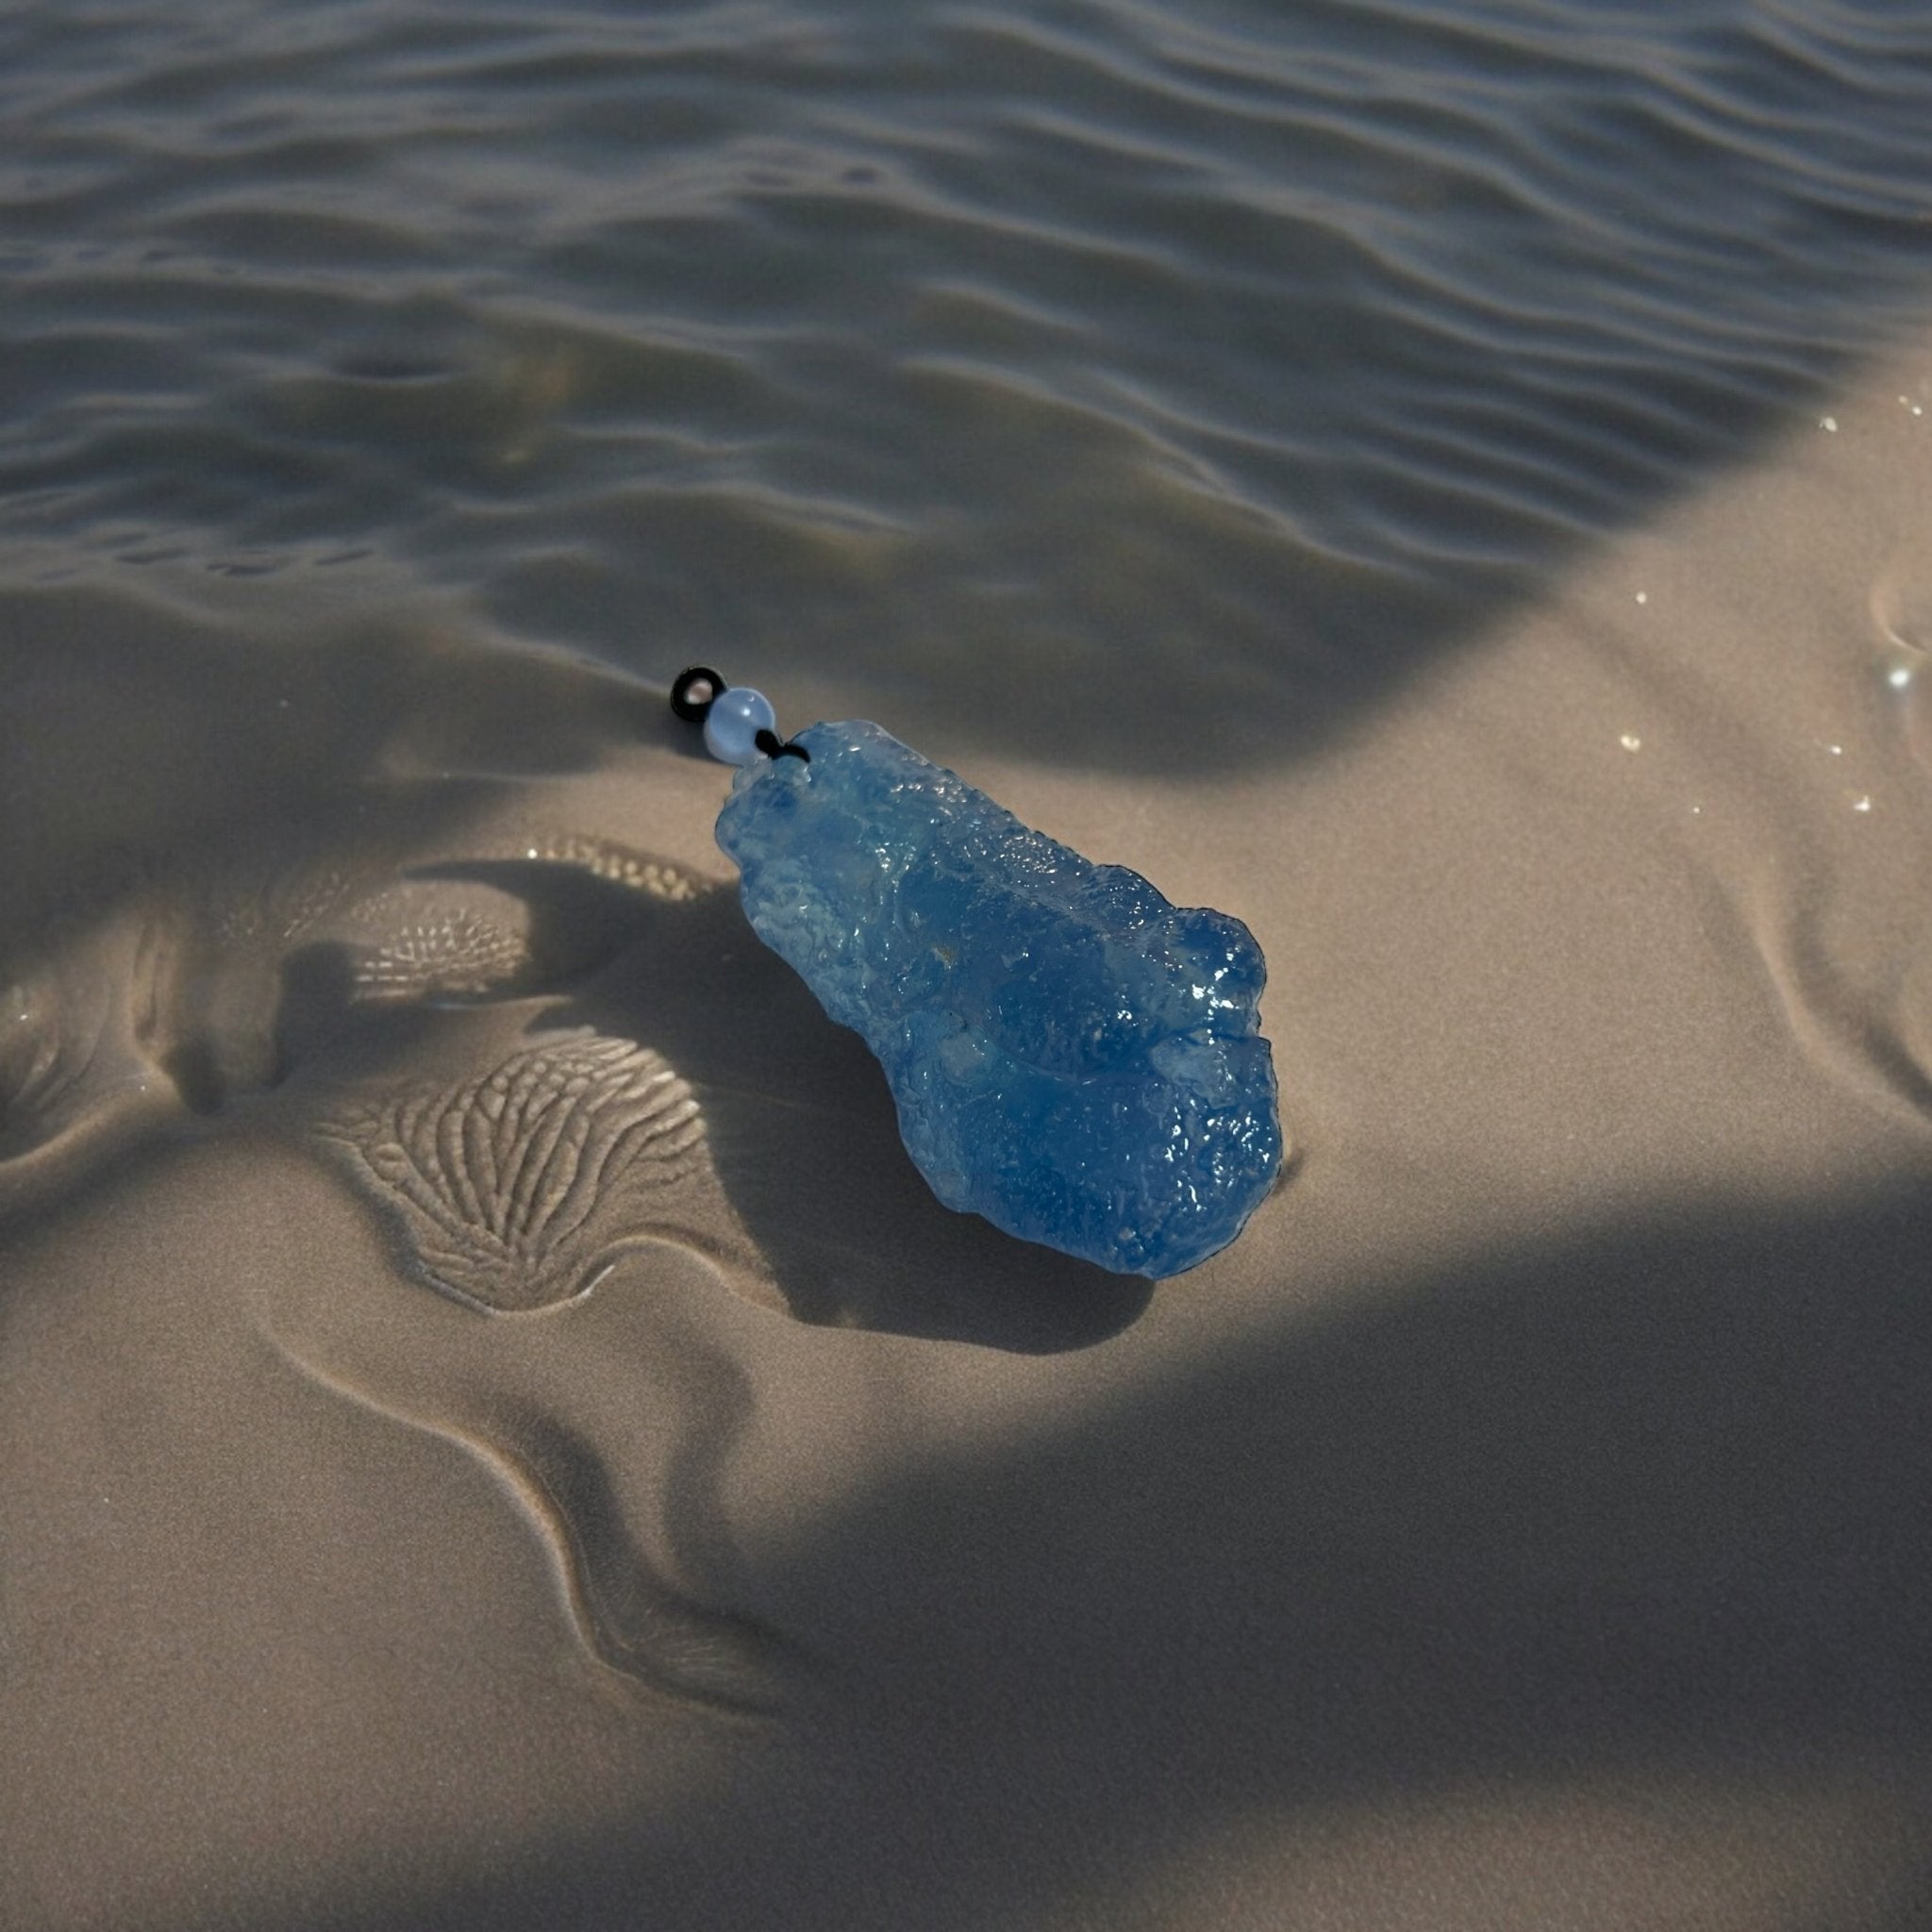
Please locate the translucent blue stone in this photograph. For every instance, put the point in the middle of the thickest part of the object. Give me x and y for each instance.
(1073, 1056)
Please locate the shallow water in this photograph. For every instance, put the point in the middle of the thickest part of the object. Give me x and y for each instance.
(486, 1408)
(960, 363)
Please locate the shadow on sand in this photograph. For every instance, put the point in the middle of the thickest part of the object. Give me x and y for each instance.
(1651, 1501)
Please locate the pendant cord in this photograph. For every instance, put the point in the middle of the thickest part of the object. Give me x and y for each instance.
(695, 709)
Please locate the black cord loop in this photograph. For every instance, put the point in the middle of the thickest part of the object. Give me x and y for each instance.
(692, 710)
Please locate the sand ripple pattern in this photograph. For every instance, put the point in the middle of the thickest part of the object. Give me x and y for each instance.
(456, 954)
(619, 865)
(512, 1188)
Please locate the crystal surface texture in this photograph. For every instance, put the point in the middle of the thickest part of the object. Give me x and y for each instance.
(1072, 1055)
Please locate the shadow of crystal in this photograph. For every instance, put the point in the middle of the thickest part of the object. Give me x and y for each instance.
(800, 1124)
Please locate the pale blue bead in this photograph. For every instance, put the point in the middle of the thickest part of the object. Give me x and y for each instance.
(733, 723)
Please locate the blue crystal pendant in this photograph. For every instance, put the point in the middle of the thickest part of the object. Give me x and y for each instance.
(1071, 1056)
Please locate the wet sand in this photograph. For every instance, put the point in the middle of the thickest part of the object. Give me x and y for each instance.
(496, 1433)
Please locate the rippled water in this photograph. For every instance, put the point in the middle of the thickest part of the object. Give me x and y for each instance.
(948, 361)
(432, 1227)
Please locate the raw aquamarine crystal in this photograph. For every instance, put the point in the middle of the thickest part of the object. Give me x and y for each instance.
(1073, 1056)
